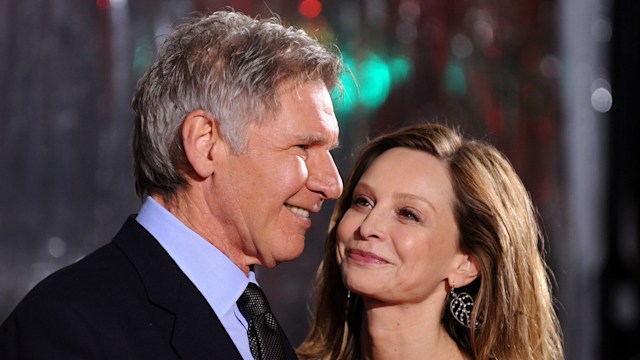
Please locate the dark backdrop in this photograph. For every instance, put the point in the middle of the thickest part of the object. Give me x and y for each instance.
(520, 74)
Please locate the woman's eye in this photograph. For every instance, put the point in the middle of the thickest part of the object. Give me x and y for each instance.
(409, 215)
(361, 201)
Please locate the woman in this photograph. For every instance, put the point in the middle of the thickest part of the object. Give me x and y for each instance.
(434, 252)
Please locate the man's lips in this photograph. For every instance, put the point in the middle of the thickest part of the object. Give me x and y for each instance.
(298, 211)
(365, 257)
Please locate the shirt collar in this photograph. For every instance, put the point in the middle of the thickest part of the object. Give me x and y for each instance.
(219, 280)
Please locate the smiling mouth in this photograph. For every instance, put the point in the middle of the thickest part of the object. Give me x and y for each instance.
(365, 257)
(298, 211)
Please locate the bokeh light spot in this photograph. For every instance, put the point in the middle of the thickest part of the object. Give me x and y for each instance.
(310, 8)
(601, 100)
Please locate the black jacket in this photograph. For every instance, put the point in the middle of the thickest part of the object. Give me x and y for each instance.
(126, 300)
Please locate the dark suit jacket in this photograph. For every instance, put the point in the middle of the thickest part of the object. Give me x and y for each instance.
(126, 300)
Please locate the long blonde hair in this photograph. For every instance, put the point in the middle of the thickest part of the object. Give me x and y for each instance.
(498, 226)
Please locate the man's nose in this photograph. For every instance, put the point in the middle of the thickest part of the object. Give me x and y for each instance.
(324, 177)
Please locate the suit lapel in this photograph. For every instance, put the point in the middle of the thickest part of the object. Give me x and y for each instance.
(197, 331)
(289, 352)
(196, 335)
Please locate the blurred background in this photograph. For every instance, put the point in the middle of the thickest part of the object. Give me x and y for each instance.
(550, 83)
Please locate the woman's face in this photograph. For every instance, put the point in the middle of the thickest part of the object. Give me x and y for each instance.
(398, 242)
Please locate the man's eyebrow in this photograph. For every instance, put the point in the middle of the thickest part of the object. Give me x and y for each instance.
(316, 139)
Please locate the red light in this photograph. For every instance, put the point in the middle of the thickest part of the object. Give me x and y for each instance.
(103, 4)
(310, 8)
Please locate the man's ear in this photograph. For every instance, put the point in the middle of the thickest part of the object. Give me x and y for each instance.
(199, 136)
(466, 271)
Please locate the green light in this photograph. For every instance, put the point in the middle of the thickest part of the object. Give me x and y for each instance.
(143, 56)
(454, 80)
(346, 100)
(400, 68)
(368, 81)
(375, 81)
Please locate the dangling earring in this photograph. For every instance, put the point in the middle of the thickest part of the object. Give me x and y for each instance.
(347, 304)
(461, 306)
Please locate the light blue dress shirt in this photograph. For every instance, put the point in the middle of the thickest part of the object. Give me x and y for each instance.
(219, 280)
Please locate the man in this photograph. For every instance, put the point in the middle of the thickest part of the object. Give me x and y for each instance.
(234, 124)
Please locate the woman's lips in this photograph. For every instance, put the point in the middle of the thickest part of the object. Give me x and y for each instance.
(366, 257)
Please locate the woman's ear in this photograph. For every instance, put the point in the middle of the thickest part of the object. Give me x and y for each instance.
(466, 271)
(199, 136)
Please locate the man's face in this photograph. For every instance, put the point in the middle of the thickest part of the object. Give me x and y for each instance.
(285, 173)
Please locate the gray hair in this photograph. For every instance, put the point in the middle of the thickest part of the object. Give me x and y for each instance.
(229, 65)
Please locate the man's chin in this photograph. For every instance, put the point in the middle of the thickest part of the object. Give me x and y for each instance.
(283, 251)
(291, 252)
